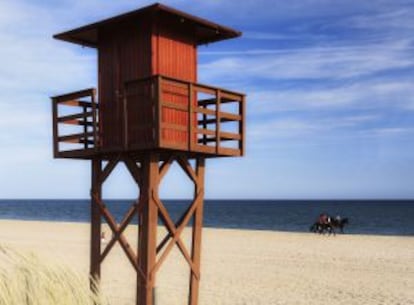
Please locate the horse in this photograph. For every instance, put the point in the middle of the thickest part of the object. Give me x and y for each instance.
(339, 224)
(321, 228)
(330, 226)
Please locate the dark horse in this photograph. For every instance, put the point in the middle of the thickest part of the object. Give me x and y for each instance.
(329, 226)
(339, 224)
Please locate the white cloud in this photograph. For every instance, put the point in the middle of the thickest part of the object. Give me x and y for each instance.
(294, 127)
(400, 19)
(312, 63)
(378, 95)
(389, 132)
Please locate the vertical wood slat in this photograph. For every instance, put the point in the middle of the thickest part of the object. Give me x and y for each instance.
(197, 231)
(125, 119)
(95, 252)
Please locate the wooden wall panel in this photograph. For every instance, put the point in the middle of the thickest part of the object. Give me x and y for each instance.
(131, 51)
(124, 55)
(108, 110)
(177, 58)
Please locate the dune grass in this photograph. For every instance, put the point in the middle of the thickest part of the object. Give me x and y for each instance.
(27, 280)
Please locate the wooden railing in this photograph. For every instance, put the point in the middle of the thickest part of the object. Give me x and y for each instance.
(75, 123)
(158, 112)
(193, 117)
(216, 122)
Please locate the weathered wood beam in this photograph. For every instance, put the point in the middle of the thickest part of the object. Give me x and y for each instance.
(197, 230)
(122, 240)
(121, 228)
(173, 231)
(178, 232)
(165, 167)
(186, 166)
(71, 117)
(77, 136)
(76, 103)
(148, 229)
(134, 170)
(109, 168)
(95, 246)
(75, 95)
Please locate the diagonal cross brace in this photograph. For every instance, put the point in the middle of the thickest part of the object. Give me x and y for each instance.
(121, 228)
(115, 229)
(165, 167)
(109, 168)
(175, 233)
(186, 166)
(134, 170)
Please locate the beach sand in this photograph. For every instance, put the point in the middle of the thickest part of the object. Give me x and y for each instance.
(244, 267)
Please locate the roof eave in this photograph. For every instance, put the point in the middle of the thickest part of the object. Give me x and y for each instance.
(70, 36)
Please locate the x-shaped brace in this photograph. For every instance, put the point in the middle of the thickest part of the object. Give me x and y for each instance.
(175, 230)
(118, 230)
(135, 208)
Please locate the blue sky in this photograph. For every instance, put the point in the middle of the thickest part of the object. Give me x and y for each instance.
(330, 88)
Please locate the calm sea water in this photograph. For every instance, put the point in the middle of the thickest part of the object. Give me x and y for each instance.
(366, 217)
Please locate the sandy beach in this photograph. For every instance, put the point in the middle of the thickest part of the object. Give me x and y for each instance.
(244, 267)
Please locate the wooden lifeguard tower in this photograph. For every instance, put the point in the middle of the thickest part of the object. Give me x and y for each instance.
(151, 112)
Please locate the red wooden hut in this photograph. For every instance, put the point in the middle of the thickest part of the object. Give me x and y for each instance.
(151, 112)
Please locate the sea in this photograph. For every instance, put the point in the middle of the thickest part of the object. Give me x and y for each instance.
(375, 217)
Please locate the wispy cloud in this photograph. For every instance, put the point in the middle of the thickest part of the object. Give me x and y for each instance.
(399, 19)
(381, 133)
(278, 36)
(293, 127)
(314, 63)
(380, 94)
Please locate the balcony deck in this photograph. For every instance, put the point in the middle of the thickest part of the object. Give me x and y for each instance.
(158, 113)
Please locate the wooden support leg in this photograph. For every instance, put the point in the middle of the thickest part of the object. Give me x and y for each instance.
(197, 228)
(96, 193)
(148, 230)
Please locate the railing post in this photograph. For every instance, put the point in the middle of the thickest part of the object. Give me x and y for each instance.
(85, 128)
(158, 107)
(242, 125)
(55, 127)
(158, 111)
(190, 116)
(96, 139)
(218, 120)
(205, 125)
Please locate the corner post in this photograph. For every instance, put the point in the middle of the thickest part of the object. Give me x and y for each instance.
(55, 127)
(197, 230)
(148, 230)
(96, 193)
